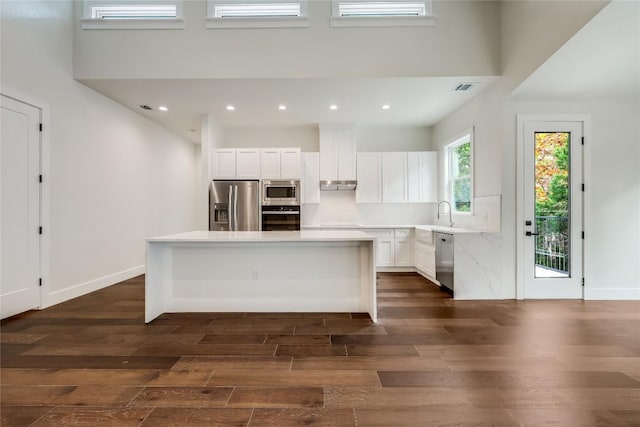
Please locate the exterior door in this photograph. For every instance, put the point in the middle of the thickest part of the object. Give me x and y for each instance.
(553, 203)
(19, 207)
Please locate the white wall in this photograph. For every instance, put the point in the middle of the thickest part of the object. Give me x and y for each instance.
(393, 138)
(530, 33)
(305, 137)
(468, 28)
(115, 177)
(612, 193)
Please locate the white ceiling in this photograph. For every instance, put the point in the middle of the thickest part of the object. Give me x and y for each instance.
(413, 101)
(601, 61)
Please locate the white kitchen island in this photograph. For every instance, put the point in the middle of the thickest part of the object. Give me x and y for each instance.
(252, 271)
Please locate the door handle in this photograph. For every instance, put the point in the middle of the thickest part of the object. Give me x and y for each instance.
(528, 233)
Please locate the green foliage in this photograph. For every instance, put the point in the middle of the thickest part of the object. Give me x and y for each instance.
(552, 174)
(462, 177)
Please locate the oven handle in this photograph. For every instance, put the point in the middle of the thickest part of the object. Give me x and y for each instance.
(280, 213)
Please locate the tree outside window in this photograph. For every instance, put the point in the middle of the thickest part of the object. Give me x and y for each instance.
(460, 174)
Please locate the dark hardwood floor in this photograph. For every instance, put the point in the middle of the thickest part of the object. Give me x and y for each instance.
(430, 361)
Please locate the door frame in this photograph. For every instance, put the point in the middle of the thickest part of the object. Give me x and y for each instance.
(521, 119)
(45, 195)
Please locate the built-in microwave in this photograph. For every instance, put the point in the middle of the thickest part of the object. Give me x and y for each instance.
(281, 192)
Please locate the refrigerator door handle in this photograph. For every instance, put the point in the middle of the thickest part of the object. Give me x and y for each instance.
(235, 210)
(230, 208)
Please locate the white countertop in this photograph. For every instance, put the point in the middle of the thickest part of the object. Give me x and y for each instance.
(431, 227)
(265, 236)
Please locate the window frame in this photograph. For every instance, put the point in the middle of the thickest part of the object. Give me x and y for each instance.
(428, 19)
(463, 138)
(90, 23)
(212, 22)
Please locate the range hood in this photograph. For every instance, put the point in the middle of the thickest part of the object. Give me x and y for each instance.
(335, 185)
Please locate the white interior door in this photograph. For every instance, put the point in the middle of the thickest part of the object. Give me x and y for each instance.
(553, 203)
(19, 207)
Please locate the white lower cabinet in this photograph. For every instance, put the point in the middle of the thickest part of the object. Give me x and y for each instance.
(394, 247)
(404, 250)
(425, 254)
(385, 247)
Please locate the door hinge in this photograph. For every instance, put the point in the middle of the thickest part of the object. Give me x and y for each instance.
(40, 281)
(582, 142)
(39, 230)
(583, 234)
(40, 127)
(583, 281)
(40, 178)
(582, 187)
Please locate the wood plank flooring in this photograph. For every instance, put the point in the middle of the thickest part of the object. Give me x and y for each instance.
(430, 361)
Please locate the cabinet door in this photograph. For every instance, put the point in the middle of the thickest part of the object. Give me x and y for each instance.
(369, 189)
(346, 155)
(394, 177)
(429, 179)
(270, 163)
(422, 173)
(414, 176)
(222, 163)
(385, 247)
(404, 252)
(248, 163)
(328, 155)
(290, 163)
(430, 261)
(420, 256)
(311, 178)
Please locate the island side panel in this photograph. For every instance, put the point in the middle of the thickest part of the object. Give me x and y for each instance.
(268, 277)
(157, 285)
(368, 279)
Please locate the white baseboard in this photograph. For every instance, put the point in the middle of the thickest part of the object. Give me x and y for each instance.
(612, 294)
(395, 270)
(92, 285)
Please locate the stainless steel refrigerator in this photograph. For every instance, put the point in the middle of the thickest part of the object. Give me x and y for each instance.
(234, 206)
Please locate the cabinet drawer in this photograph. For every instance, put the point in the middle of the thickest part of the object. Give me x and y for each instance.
(403, 232)
(424, 236)
(380, 232)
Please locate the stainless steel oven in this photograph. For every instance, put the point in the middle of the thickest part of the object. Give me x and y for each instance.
(280, 218)
(281, 193)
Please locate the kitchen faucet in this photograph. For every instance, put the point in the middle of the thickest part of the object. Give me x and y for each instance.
(438, 214)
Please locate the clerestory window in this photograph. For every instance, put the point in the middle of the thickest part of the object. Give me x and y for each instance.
(132, 14)
(256, 13)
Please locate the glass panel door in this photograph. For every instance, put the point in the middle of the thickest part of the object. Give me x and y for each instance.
(552, 209)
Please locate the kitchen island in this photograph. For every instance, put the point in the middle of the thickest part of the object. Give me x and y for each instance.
(252, 271)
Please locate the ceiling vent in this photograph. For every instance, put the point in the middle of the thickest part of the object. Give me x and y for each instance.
(464, 87)
(146, 107)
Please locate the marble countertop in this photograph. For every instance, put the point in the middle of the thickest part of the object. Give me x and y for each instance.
(428, 227)
(264, 236)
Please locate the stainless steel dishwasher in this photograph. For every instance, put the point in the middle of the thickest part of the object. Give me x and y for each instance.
(444, 261)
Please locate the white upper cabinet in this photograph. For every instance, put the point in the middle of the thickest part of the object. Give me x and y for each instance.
(222, 163)
(422, 176)
(254, 163)
(369, 189)
(394, 177)
(310, 178)
(280, 163)
(290, 163)
(337, 153)
(248, 163)
(270, 163)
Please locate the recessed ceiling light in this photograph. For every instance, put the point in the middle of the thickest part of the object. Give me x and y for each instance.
(163, 108)
(386, 106)
(230, 107)
(282, 107)
(333, 107)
